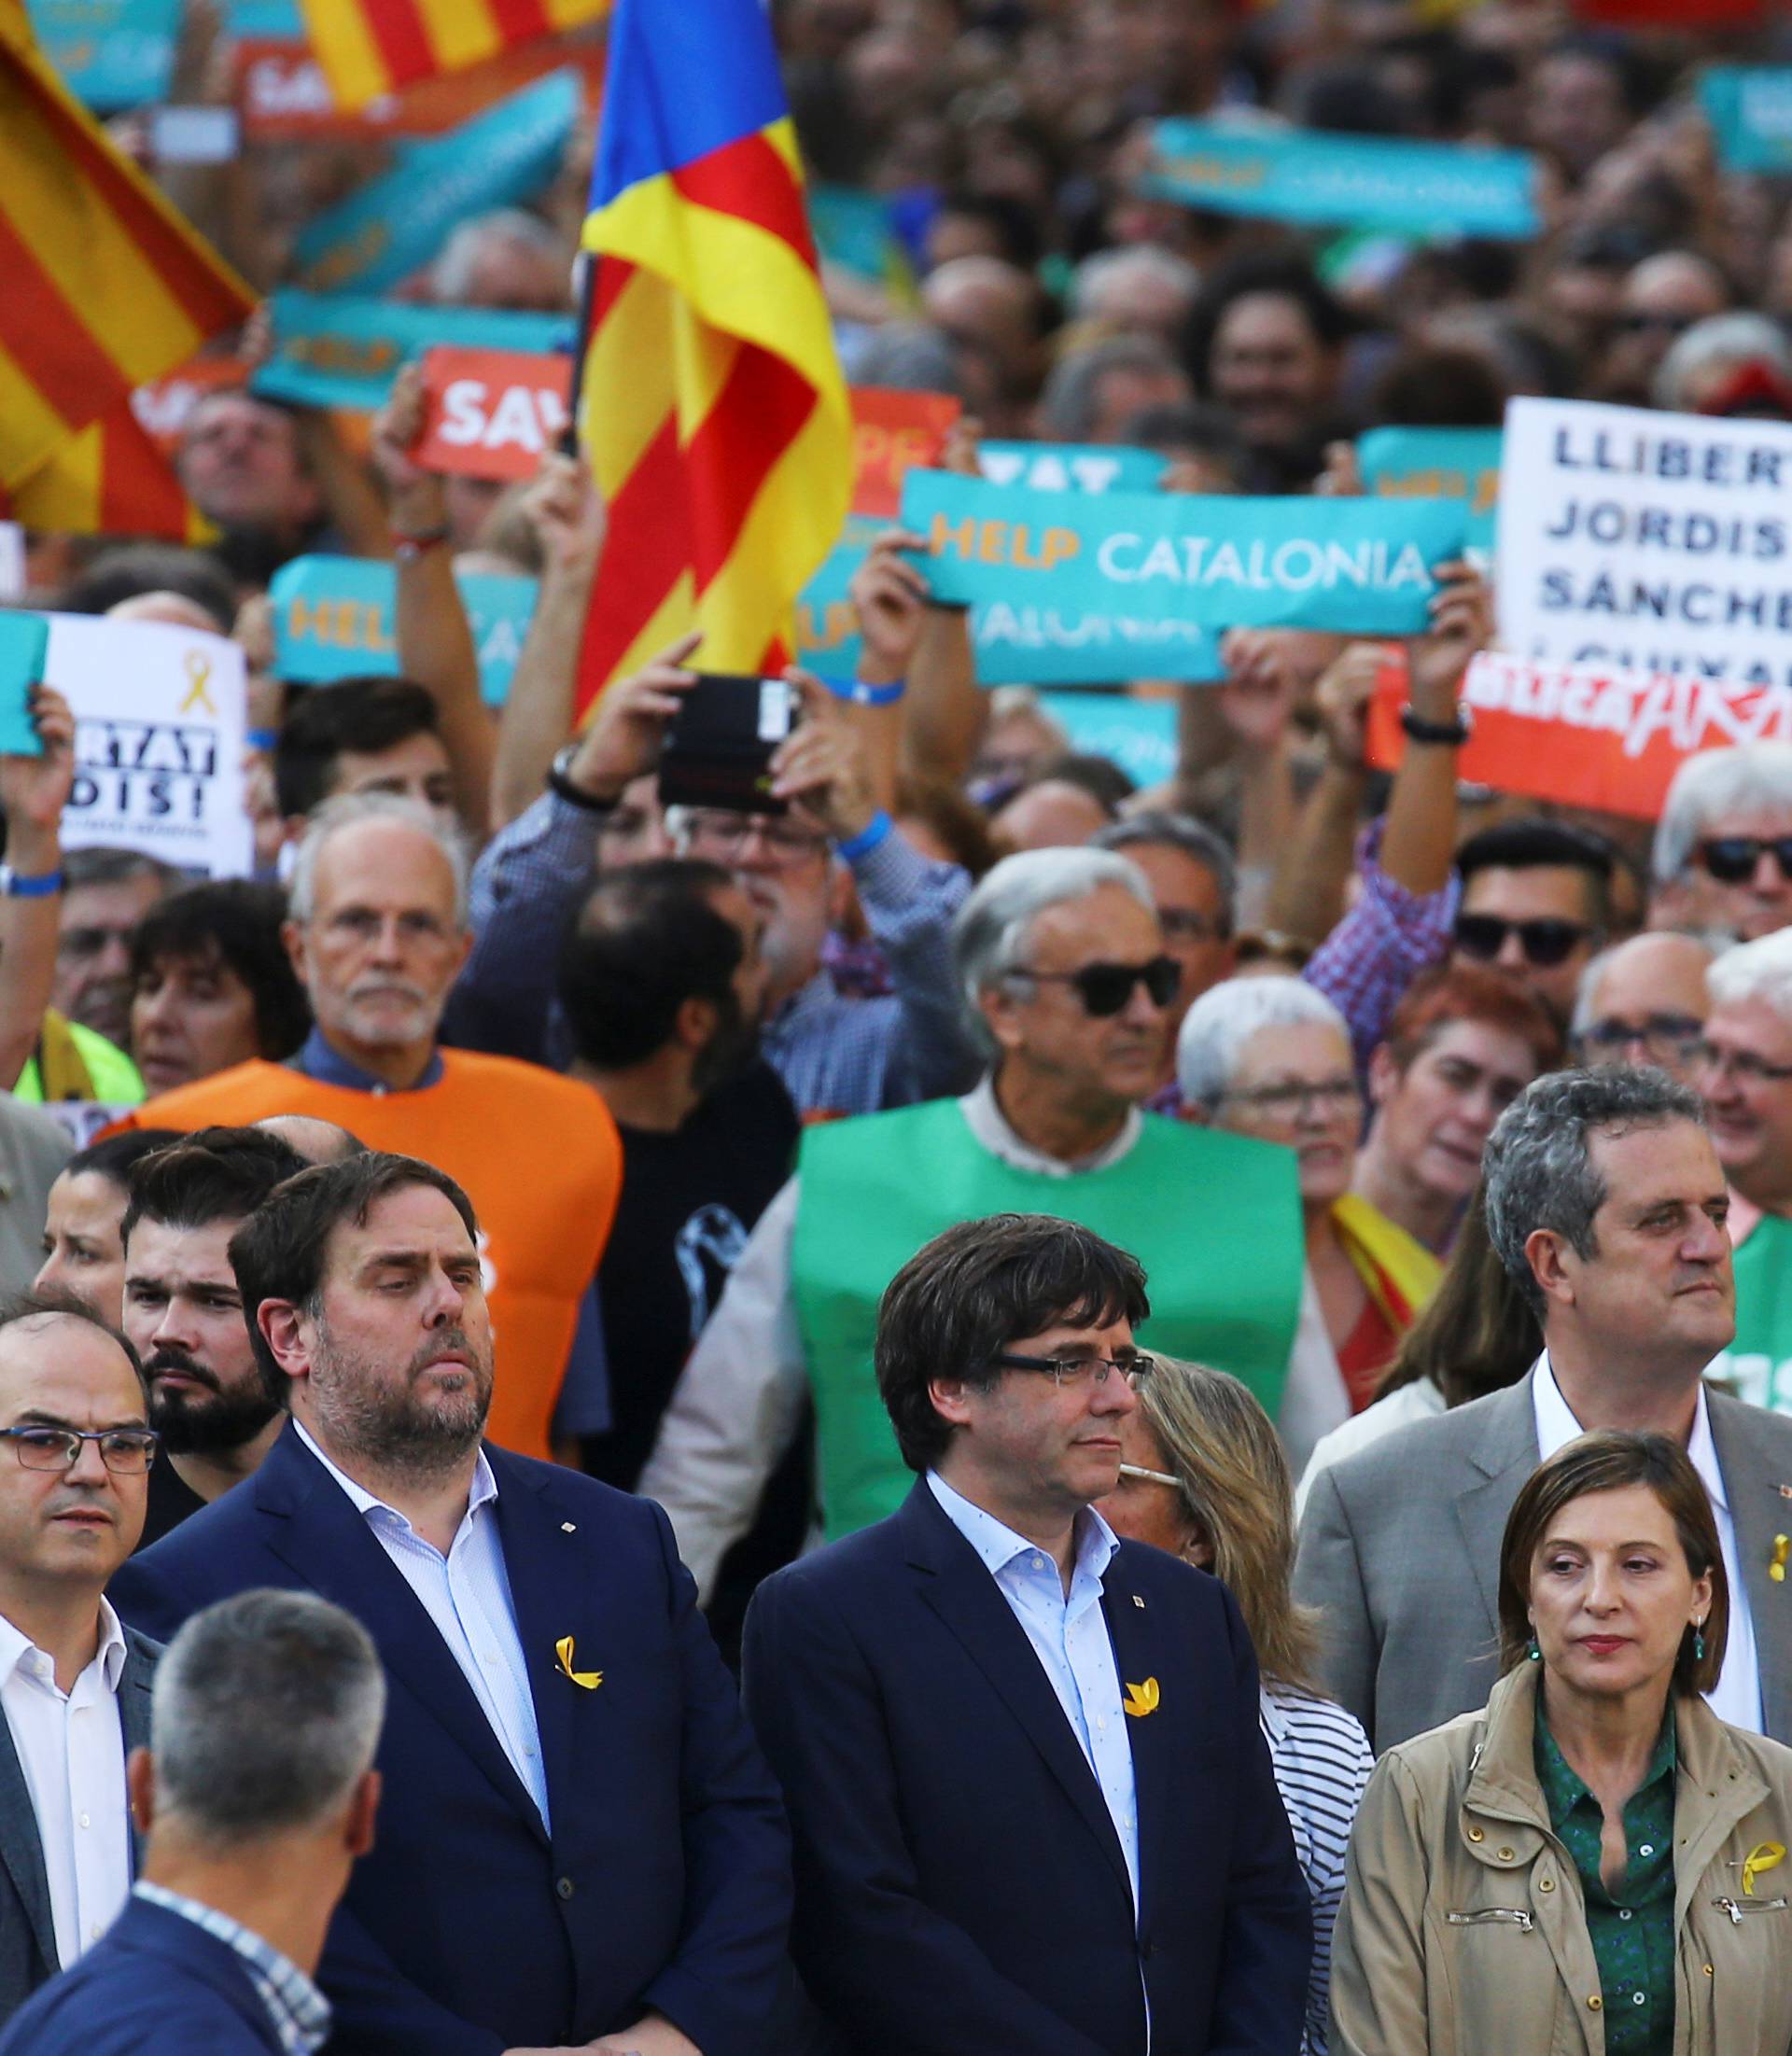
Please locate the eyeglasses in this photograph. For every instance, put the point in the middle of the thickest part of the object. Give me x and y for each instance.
(1667, 1038)
(1733, 860)
(1325, 1096)
(129, 1451)
(727, 834)
(1152, 1478)
(1743, 1064)
(1545, 942)
(1105, 988)
(1080, 1370)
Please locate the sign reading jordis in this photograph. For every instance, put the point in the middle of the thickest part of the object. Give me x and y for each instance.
(1586, 736)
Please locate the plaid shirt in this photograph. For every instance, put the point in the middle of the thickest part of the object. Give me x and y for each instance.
(299, 2012)
(1391, 935)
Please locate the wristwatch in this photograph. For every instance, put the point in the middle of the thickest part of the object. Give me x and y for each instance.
(560, 783)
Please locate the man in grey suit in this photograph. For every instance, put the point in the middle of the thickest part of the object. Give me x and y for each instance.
(74, 1452)
(1607, 1204)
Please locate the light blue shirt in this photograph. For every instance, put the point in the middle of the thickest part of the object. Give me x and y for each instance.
(467, 1594)
(1069, 1637)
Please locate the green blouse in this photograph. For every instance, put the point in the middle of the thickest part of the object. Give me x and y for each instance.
(1632, 1928)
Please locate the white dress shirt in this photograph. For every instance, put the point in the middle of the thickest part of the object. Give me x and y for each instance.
(70, 1747)
(1738, 1695)
(467, 1593)
(1069, 1633)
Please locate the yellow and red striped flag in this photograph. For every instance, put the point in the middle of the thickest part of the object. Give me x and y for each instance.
(110, 479)
(368, 47)
(713, 406)
(102, 286)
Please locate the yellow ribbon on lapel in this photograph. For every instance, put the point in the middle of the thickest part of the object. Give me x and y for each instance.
(1763, 1856)
(1141, 1698)
(591, 1680)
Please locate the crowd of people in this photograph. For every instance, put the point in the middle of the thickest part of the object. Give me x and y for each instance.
(984, 1407)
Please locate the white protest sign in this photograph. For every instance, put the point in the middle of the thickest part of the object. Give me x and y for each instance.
(160, 714)
(1657, 543)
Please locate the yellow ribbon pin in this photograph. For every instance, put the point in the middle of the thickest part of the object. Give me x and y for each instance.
(1763, 1856)
(1776, 1563)
(198, 673)
(591, 1680)
(1141, 1698)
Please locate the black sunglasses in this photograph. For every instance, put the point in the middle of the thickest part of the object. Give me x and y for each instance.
(1544, 941)
(1105, 988)
(1731, 860)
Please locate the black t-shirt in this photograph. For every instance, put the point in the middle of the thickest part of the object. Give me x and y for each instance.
(170, 1499)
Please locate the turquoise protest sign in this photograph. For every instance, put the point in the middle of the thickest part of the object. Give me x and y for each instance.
(1749, 107)
(1071, 467)
(855, 230)
(333, 619)
(827, 623)
(330, 352)
(111, 53)
(23, 641)
(1140, 735)
(394, 227)
(1082, 588)
(1321, 180)
(1437, 464)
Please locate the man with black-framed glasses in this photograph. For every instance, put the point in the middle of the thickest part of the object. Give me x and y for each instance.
(75, 1447)
(1026, 1724)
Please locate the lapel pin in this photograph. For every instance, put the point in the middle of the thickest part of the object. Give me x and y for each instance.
(590, 1680)
(1784, 1491)
(1139, 1602)
(1141, 1698)
(1763, 1856)
(1776, 1562)
(568, 1527)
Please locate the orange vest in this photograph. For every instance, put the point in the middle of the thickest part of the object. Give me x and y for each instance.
(538, 1157)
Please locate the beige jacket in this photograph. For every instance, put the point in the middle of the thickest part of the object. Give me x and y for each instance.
(1464, 1931)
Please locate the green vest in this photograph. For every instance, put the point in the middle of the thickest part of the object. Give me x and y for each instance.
(110, 1073)
(1758, 1365)
(1214, 1218)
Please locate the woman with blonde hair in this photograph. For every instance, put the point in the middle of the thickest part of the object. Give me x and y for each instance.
(1203, 1477)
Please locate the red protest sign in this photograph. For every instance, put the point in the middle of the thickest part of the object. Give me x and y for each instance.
(1586, 736)
(892, 434)
(491, 413)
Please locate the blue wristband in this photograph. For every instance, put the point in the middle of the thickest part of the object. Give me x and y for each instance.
(18, 884)
(263, 738)
(861, 694)
(862, 844)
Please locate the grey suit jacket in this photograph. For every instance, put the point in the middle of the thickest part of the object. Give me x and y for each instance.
(1400, 1552)
(27, 1931)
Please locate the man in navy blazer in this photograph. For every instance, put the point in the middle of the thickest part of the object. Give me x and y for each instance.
(1032, 1806)
(579, 1842)
(257, 1794)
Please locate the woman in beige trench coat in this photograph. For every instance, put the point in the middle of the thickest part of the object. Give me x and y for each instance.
(1594, 1865)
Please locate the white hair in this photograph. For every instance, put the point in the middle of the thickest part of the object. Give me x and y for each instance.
(1107, 268)
(1754, 779)
(452, 274)
(1217, 1028)
(348, 810)
(1720, 339)
(994, 927)
(1759, 970)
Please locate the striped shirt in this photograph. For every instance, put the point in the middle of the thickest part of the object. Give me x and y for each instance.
(299, 2011)
(1321, 1760)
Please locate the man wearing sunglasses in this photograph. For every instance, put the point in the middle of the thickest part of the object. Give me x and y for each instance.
(1535, 904)
(1723, 848)
(1069, 990)
(75, 1447)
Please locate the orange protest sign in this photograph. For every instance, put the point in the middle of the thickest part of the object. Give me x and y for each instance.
(162, 407)
(893, 433)
(492, 414)
(282, 94)
(1586, 736)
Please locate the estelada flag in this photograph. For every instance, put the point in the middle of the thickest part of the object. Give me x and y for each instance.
(112, 479)
(102, 286)
(713, 408)
(368, 47)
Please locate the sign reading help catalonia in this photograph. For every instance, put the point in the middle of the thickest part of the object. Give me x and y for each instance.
(1139, 583)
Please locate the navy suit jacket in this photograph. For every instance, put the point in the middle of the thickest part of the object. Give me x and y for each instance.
(959, 1885)
(469, 1929)
(154, 1983)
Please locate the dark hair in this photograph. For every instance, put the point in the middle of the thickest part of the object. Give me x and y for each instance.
(1099, 777)
(1606, 1462)
(1285, 273)
(279, 1252)
(234, 922)
(137, 568)
(217, 1174)
(1533, 844)
(1433, 386)
(646, 940)
(113, 1155)
(1477, 1333)
(33, 1305)
(363, 715)
(1189, 425)
(977, 1289)
(957, 824)
(1011, 220)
